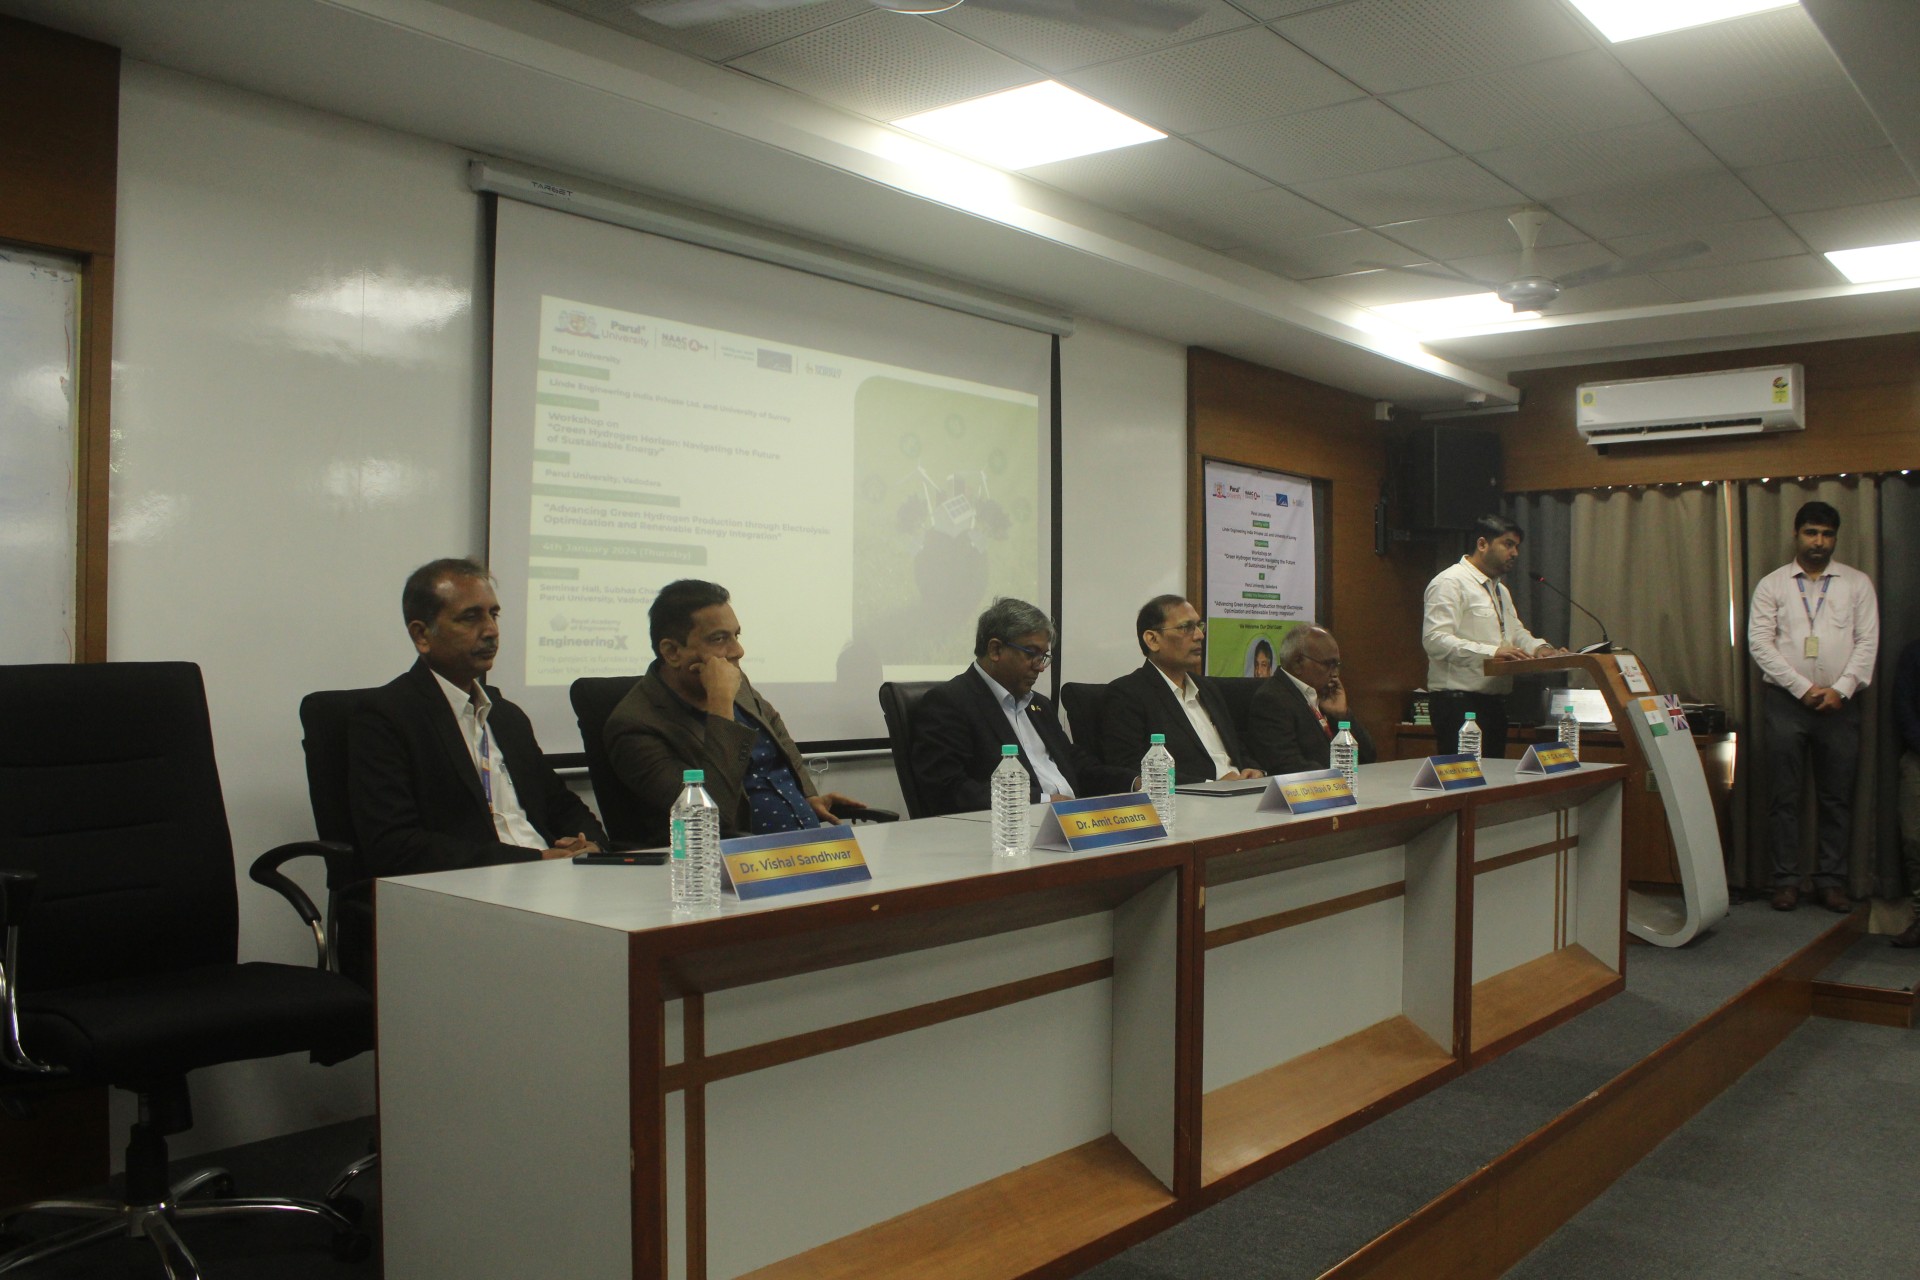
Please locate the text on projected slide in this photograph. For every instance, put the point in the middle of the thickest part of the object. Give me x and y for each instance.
(882, 505)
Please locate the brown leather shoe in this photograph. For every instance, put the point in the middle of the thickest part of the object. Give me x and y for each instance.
(1834, 898)
(1786, 898)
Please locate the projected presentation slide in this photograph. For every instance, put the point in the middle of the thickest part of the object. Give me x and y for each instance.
(860, 509)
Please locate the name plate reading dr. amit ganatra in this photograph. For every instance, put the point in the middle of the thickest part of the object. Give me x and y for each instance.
(1099, 822)
(1449, 773)
(1307, 792)
(791, 862)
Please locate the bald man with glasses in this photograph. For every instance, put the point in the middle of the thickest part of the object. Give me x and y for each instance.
(960, 726)
(1169, 696)
(1297, 712)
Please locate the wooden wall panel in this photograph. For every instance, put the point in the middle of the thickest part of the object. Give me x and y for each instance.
(1251, 414)
(1863, 414)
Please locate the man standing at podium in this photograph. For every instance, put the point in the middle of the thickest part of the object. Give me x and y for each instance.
(1470, 618)
(1814, 631)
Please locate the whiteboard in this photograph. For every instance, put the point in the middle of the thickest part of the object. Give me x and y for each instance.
(39, 351)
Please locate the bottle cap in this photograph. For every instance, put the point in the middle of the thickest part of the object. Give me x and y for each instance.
(1569, 708)
(1469, 715)
(1009, 749)
(1156, 739)
(694, 775)
(1346, 724)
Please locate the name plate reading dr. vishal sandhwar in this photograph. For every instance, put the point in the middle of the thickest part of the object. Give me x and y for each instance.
(1449, 773)
(1099, 822)
(1307, 792)
(791, 861)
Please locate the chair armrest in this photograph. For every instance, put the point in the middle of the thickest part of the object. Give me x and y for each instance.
(266, 871)
(860, 813)
(16, 892)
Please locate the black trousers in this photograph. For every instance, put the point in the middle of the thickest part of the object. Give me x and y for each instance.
(1449, 709)
(1833, 740)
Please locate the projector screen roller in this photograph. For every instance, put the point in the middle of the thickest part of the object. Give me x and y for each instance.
(864, 473)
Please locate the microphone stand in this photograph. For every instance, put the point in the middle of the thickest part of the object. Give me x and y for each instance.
(1606, 642)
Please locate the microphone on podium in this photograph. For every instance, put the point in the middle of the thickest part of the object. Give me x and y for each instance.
(1606, 642)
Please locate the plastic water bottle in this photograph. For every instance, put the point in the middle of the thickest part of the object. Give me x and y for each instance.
(1010, 788)
(1470, 737)
(1156, 775)
(1570, 732)
(695, 825)
(1346, 756)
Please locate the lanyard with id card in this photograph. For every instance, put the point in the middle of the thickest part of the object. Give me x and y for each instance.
(1811, 648)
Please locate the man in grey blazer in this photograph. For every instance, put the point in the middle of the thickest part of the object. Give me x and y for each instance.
(695, 709)
(1297, 712)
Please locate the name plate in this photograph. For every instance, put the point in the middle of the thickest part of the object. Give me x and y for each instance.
(1099, 822)
(1308, 792)
(791, 862)
(1449, 773)
(1548, 760)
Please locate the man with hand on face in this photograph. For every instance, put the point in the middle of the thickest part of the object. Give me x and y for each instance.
(695, 709)
(1814, 631)
(443, 772)
(960, 726)
(1470, 618)
(1297, 713)
(1169, 696)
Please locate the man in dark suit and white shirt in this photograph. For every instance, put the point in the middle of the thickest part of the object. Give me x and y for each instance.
(960, 726)
(443, 772)
(1169, 696)
(1296, 714)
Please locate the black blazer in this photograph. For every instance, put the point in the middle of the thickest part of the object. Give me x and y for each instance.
(1286, 735)
(958, 730)
(1139, 704)
(415, 796)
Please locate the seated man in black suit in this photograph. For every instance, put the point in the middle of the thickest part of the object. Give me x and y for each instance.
(1169, 696)
(961, 725)
(1296, 714)
(443, 772)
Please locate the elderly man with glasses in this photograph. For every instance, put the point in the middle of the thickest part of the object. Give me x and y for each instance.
(960, 726)
(1297, 712)
(1169, 696)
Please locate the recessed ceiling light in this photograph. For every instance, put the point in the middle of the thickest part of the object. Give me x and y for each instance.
(1878, 262)
(1620, 20)
(1032, 125)
(1444, 315)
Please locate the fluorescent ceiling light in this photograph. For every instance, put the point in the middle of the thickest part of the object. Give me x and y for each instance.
(1620, 20)
(1878, 262)
(1032, 125)
(1445, 315)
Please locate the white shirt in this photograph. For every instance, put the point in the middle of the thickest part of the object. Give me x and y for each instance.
(1468, 617)
(1045, 771)
(509, 819)
(1839, 608)
(1189, 700)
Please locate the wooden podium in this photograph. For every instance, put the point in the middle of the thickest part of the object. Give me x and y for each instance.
(1663, 758)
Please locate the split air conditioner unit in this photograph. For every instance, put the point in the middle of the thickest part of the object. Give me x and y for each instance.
(1695, 406)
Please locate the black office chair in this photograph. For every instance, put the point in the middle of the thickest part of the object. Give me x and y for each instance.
(121, 961)
(1086, 706)
(898, 699)
(324, 719)
(594, 698)
(1238, 692)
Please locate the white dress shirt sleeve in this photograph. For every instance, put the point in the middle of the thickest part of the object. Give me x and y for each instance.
(1866, 638)
(1765, 629)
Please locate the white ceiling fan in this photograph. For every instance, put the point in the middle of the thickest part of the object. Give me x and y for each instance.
(1529, 290)
(1127, 17)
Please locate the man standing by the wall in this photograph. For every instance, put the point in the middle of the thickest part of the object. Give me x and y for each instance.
(1814, 630)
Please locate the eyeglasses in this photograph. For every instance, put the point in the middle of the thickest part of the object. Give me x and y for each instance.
(1331, 664)
(1186, 628)
(1038, 657)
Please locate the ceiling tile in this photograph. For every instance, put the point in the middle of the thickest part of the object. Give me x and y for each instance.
(1337, 254)
(1833, 181)
(1612, 295)
(729, 37)
(1677, 205)
(1729, 243)
(1130, 178)
(1463, 235)
(1893, 222)
(1354, 137)
(1266, 9)
(1380, 288)
(1389, 45)
(1803, 271)
(1595, 161)
(1730, 63)
(1793, 127)
(1552, 263)
(1260, 219)
(1223, 80)
(1520, 106)
(885, 68)
(1417, 190)
(1062, 45)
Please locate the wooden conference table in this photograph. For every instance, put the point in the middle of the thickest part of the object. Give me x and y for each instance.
(966, 1067)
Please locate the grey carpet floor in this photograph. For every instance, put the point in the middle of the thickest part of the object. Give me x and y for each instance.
(1870, 962)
